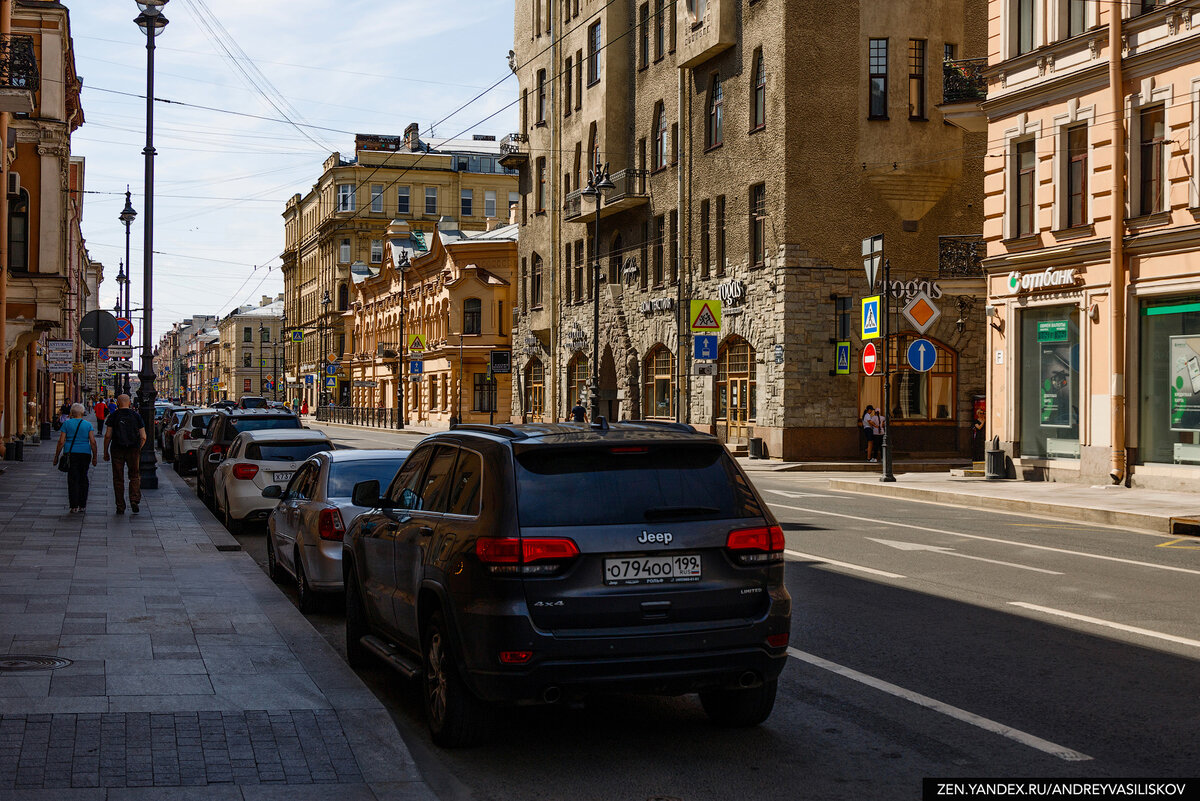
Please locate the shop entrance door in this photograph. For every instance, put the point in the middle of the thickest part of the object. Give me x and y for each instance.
(739, 406)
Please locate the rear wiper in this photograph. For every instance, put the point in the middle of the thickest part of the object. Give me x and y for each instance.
(663, 512)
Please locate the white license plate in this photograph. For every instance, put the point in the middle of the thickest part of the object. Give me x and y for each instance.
(281, 477)
(652, 569)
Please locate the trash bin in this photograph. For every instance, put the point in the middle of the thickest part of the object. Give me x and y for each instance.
(756, 448)
(995, 466)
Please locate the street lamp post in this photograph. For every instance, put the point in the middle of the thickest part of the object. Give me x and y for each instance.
(401, 412)
(261, 330)
(126, 217)
(598, 181)
(321, 393)
(152, 22)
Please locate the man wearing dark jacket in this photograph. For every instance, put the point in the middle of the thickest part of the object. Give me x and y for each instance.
(124, 436)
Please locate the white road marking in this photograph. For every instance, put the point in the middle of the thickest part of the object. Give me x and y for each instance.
(986, 724)
(787, 494)
(847, 565)
(1095, 621)
(992, 539)
(916, 546)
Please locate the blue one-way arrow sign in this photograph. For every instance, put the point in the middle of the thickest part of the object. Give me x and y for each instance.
(922, 355)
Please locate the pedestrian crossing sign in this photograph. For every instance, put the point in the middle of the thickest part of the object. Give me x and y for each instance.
(870, 317)
(416, 343)
(705, 316)
(843, 358)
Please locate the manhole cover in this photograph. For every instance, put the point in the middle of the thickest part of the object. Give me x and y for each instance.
(14, 662)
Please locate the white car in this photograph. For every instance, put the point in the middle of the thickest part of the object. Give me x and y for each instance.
(188, 436)
(257, 460)
(304, 532)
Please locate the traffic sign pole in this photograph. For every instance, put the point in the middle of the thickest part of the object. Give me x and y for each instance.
(887, 475)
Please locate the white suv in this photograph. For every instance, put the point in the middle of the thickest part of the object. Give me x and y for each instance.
(257, 460)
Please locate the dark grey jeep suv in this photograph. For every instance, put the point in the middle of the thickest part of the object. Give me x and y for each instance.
(518, 564)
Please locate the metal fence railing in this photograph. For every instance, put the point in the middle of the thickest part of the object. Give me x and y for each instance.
(367, 416)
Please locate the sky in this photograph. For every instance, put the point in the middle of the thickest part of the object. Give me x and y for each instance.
(222, 179)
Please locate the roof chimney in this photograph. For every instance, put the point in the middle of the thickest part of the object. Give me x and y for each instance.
(512, 213)
(266, 300)
(447, 224)
(492, 224)
(398, 229)
(411, 138)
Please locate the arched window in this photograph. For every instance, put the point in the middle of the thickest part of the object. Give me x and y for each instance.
(18, 233)
(737, 395)
(716, 112)
(578, 379)
(758, 89)
(535, 391)
(916, 396)
(658, 398)
(343, 295)
(662, 142)
(472, 316)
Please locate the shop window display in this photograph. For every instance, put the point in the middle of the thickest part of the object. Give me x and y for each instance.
(1050, 382)
(1169, 389)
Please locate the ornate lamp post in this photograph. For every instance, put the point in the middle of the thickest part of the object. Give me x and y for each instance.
(401, 412)
(126, 217)
(325, 301)
(598, 181)
(152, 22)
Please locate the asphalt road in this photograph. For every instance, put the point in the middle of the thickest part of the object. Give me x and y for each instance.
(927, 641)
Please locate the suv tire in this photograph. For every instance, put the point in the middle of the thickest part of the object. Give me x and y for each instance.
(740, 708)
(357, 655)
(456, 717)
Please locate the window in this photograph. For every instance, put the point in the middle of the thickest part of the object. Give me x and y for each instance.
(661, 141)
(247, 334)
(472, 316)
(485, 394)
(915, 396)
(758, 221)
(674, 143)
(715, 113)
(431, 200)
(1152, 127)
(660, 233)
(916, 79)
(1077, 176)
(524, 300)
(1076, 17)
(644, 262)
(1026, 161)
(344, 252)
(1150, 5)
(541, 96)
(343, 301)
(489, 203)
(247, 359)
(578, 282)
(593, 61)
(659, 390)
(660, 29)
(673, 234)
(376, 198)
(877, 80)
(402, 198)
(1024, 26)
(541, 184)
(844, 308)
(525, 110)
(264, 334)
(671, 15)
(705, 242)
(467, 201)
(644, 35)
(376, 251)
(345, 201)
(1169, 410)
(535, 391)
(578, 80)
(535, 282)
(948, 51)
(578, 379)
(720, 226)
(514, 199)
(18, 233)
(758, 106)
(568, 75)
(1048, 389)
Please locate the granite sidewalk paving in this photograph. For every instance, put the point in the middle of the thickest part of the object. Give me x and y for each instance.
(139, 662)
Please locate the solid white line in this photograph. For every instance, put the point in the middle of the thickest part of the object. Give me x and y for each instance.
(878, 521)
(847, 565)
(998, 562)
(1095, 621)
(946, 709)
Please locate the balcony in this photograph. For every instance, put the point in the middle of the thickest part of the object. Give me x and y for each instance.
(514, 151)
(18, 74)
(964, 88)
(960, 257)
(573, 206)
(630, 190)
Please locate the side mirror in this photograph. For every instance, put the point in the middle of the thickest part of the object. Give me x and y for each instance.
(273, 491)
(214, 458)
(366, 493)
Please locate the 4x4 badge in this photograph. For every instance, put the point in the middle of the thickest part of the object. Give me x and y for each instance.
(664, 537)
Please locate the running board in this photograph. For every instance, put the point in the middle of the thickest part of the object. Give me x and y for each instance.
(391, 654)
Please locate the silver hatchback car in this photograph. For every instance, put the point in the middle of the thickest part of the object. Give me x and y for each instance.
(305, 530)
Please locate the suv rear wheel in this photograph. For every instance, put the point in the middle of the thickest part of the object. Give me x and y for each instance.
(456, 717)
(740, 708)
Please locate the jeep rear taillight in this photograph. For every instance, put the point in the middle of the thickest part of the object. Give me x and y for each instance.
(756, 546)
(329, 525)
(528, 556)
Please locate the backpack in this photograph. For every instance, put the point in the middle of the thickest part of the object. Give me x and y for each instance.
(125, 425)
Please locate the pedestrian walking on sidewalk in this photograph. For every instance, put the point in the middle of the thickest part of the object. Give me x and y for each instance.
(100, 408)
(123, 443)
(77, 441)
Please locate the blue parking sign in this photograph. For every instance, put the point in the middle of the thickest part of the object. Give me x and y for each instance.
(706, 347)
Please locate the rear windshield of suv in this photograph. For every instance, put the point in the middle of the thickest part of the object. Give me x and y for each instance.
(284, 451)
(254, 403)
(615, 484)
(239, 424)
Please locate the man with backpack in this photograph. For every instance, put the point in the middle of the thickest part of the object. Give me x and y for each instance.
(124, 436)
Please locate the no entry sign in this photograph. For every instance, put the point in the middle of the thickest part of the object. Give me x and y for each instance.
(869, 360)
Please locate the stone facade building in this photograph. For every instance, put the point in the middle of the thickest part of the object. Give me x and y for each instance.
(749, 159)
(340, 227)
(250, 362)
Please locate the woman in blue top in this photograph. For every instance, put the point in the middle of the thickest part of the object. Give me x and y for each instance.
(78, 438)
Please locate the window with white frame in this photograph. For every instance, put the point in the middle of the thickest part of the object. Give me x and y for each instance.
(1152, 133)
(431, 200)
(1025, 187)
(1076, 17)
(1076, 194)
(377, 198)
(402, 200)
(1023, 26)
(376, 251)
(344, 251)
(467, 203)
(489, 203)
(345, 200)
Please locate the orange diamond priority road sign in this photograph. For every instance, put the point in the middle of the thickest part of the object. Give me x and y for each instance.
(921, 312)
(705, 316)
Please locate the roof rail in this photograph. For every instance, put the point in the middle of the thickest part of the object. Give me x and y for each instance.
(483, 428)
(671, 424)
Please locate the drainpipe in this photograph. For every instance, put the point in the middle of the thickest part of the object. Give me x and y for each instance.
(5, 30)
(681, 313)
(1116, 248)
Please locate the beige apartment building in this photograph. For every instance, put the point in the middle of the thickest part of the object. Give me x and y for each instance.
(1092, 240)
(752, 146)
(252, 351)
(339, 228)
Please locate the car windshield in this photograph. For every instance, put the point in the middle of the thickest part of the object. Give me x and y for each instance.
(240, 424)
(285, 451)
(344, 475)
(630, 484)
